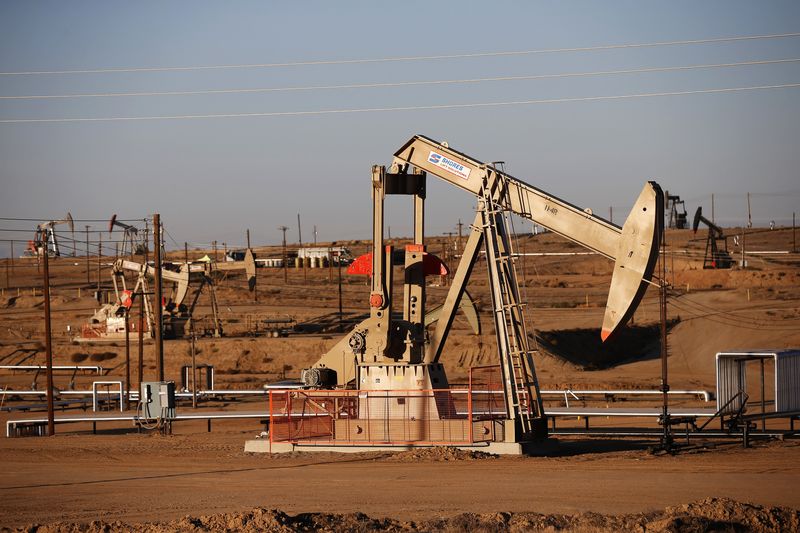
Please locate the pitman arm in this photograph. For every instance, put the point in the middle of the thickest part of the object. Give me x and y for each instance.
(634, 247)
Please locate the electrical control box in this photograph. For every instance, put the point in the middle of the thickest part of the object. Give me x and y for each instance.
(157, 399)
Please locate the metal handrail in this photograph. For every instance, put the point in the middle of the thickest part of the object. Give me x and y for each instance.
(741, 394)
(567, 394)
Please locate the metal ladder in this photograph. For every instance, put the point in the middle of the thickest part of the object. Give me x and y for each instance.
(523, 402)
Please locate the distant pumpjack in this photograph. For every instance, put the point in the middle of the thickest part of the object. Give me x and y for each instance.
(717, 255)
(677, 211)
(45, 240)
(131, 243)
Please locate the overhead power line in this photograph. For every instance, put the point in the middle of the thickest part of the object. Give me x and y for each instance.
(374, 85)
(74, 219)
(404, 58)
(405, 108)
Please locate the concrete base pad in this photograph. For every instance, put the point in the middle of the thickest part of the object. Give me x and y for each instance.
(500, 448)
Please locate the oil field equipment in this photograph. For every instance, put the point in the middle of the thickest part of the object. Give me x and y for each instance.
(677, 211)
(388, 353)
(108, 322)
(716, 255)
(131, 242)
(334, 254)
(156, 404)
(45, 238)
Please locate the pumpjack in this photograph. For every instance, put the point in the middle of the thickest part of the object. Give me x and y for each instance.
(677, 211)
(108, 322)
(389, 352)
(131, 243)
(717, 255)
(45, 239)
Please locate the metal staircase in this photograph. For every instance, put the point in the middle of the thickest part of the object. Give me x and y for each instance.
(523, 402)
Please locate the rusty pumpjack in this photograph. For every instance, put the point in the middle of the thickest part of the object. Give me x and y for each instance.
(387, 353)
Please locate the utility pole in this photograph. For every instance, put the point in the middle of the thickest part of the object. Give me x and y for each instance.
(460, 228)
(127, 356)
(749, 216)
(158, 305)
(194, 370)
(341, 316)
(141, 313)
(99, 256)
(712, 208)
(666, 439)
(147, 238)
(794, 248)
(285, 259)
(744, 247)
(51, 424)
(446, 245)
(141, 334)
(255, 286)
(88, 280)
(299, 233)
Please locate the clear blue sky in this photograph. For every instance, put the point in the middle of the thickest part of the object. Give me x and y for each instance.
(212, 178)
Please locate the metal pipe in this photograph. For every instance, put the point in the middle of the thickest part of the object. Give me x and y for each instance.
(707, 395)
(97, 369)
(94, 393)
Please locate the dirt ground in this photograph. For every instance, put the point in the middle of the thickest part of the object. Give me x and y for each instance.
(150, 478)
(123, 480)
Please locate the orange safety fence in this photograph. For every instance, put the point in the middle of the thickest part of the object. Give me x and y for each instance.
(458, 416)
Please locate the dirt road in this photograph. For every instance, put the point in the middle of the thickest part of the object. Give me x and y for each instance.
(136, 478)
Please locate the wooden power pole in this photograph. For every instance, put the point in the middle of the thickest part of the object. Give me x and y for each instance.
(158, 296)
(48, 345)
